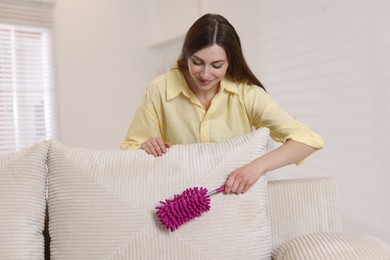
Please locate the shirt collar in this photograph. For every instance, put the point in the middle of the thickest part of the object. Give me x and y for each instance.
(177, 84)
(229, 85)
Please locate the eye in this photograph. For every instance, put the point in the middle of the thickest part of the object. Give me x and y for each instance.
(217, 65)
(196, 62)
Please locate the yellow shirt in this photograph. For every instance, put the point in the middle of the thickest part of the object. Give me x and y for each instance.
(170, 110)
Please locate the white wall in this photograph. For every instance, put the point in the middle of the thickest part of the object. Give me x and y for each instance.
(104, 65)
(325, 61)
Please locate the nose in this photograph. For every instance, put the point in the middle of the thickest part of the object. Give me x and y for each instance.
(205, 73)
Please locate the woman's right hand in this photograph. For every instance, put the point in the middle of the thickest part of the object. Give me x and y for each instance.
(155, 146)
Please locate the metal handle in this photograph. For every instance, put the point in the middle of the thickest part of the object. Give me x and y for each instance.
(220, 189)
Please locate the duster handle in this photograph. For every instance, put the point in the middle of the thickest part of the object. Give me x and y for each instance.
(218, 190)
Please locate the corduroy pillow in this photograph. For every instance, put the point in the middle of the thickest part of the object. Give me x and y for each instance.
(22, 202)
(333, 245)
(102, 202)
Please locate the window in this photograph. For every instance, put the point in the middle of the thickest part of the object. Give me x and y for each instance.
(27, 92)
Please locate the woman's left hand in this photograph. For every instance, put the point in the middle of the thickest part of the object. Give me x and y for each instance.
(241, 179)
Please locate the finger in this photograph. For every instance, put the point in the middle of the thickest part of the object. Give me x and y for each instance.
(246, 188)
(156, 147)
(240, 188)
(150, 148)
(161, 145)
(145, 148)
(231, 184)
(228, 185)
(235, 185)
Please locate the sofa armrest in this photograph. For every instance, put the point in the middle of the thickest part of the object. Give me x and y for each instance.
(334, 245)
(302, 206)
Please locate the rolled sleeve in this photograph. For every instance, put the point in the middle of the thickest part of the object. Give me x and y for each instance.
(266, 112)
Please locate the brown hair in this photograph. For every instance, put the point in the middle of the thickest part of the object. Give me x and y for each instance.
(215, 29)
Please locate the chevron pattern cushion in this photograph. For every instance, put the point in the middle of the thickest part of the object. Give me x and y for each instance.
(102, 202)
(22, 202)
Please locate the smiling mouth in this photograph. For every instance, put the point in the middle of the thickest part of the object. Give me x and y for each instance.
(204, 82)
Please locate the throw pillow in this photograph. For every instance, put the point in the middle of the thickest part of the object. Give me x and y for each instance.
(333, 245)
(102, 202)
(22, 202)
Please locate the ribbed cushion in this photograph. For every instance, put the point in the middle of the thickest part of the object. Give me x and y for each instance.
(22, 203)
(102, 202)
(333, 246)
(302, 206)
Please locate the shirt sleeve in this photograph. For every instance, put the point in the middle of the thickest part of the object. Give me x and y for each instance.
(266, 112)
(145, 123)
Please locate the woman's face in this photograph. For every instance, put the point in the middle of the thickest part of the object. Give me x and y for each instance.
(207, 67)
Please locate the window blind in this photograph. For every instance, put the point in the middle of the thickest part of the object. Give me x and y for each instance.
(27, 90)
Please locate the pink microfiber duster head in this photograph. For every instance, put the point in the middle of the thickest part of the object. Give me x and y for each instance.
(184, 207)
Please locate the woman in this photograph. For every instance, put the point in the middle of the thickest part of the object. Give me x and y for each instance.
(212, 95)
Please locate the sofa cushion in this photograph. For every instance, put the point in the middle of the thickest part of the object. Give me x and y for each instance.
(297, 207)
(102, 202)
(335, 246)
(22, 202)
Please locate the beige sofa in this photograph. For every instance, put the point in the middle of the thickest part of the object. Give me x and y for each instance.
(305, 223)
(100, 205)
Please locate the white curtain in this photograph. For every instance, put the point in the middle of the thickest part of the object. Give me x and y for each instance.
(27, 89)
